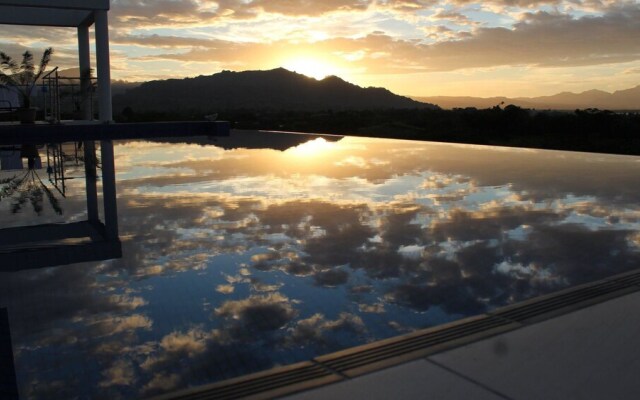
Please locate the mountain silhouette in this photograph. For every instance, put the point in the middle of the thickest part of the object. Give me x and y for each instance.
(628, 99)
(277, 89)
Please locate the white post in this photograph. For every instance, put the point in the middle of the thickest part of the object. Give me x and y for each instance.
(109, 190)
(102, 59)
(85, 71)
(91, 180)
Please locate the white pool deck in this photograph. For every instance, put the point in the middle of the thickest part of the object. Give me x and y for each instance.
(591, 353)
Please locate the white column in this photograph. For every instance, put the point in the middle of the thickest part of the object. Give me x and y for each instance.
(104, 71)
(91, 180)
(109, 190)
(85, 71)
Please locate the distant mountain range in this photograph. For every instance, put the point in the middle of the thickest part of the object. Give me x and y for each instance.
(280, 89)
(277, 89)
(620, 100)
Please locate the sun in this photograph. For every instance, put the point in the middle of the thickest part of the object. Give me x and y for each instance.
(310, 67)
(312, 148)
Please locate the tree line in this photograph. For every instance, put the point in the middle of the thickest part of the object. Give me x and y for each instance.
(590, 130)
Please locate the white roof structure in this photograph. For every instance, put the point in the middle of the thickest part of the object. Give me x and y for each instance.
(78, 14)
(66, 13)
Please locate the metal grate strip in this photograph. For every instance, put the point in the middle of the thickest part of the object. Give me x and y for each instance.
(633, 279)
(527, 311)
(411, 344)
(252, 386)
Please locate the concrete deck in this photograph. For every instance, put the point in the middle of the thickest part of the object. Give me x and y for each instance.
(591, 353)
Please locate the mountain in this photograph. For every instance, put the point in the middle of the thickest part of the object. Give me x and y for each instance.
(628, 99)
(121, 86)
(277, 89)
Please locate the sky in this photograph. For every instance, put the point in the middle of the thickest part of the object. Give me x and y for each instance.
(412, 47)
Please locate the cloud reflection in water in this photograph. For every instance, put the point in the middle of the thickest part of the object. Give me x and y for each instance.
(241, 259)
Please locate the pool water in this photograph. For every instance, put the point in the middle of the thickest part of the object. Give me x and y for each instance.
(238, 257)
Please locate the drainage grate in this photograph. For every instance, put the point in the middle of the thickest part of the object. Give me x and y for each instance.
(405, 345)
(631, 279)
(583, 296)
(236, 389)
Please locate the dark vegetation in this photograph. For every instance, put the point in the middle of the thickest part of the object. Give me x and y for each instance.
(582, 130)
(283, 100)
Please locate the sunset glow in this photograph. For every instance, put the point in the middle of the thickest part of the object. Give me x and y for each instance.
(312, 148)
(416, 47)
(310, 67)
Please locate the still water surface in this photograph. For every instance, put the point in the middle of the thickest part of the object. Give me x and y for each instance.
(238, 259)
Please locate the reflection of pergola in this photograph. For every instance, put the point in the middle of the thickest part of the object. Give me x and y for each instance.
(45, 245)
(103, 243)
(80, 14)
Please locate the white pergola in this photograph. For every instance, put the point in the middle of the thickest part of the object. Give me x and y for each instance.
(80, 14)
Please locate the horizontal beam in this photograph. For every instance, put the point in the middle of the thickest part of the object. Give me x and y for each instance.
(60, 4)
(50, 233)
(10, 15)
(49, 256)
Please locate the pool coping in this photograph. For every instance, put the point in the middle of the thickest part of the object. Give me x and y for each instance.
(69, 131)
(356, 361)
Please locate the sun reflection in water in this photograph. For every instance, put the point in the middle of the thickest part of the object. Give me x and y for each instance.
(314, 148)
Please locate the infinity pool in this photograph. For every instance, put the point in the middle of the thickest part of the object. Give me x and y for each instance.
(264, 249)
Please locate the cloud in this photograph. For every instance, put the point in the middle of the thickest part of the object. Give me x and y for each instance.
(168, 362)
(120, 373)
(146, 13)
(171, 13)
(316, 329)
(63, 294)
(116, 325)
(225, 289)
(452, 16)
(161, 383)
(306, 7)
(190, 343)
(398, 228)
(377, 308)
(38, 389)
(257, 313)
(489, 224)
(544, 39)
(576, 253)
(331, 277)
(166, 41)
(452, 299)
(540, 39)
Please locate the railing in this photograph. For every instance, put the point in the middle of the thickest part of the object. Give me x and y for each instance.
(63, 162)
(7, 108)
(64, 96)
(5, 105)
(51, 92)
